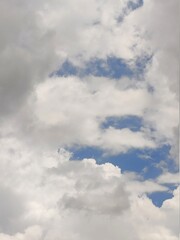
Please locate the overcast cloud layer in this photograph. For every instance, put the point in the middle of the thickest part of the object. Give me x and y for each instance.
(45, 192)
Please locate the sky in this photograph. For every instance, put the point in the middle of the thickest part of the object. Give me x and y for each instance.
(89, 120)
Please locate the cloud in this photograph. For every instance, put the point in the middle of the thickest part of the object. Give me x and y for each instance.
(78, 199)
(90, 193)
(159, 22)
(38, 37)
(43, 34)
(11, 208)
(46, 195)
(31, 233)
(169, 178)
(70, 110)
(26, 54)
(91, 31)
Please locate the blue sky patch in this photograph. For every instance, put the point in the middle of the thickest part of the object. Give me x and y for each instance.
(133, 5)
(134, 123)
(143, 162)
(141, 64)
(159, 197)
(133, 162)
(86, 152)
(111, 67)
(66, 69)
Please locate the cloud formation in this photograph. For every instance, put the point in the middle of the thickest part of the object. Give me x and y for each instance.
(50, 196)
(45, 195)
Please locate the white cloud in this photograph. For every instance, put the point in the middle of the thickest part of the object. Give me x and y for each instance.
(71, 110)
(122, 140)
(78, 199)
(31, 233)
(95, 31)
(42, 34)
(172, 178)
(46, 196)
(159, 22)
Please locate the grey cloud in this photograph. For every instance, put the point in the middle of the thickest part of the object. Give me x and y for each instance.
(110, 202)
(174, 153)
(26, 55)
(76, 199)
(12, 208)
(92, 190)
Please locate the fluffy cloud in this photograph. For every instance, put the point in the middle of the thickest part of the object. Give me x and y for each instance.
(159, 22)
(52, 197)
(42, 34)
(71, 110)
(171, 178)
(94, 32)
(38, 36)
(45, 195)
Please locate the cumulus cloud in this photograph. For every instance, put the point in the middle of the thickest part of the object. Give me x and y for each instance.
(71, 110)
(49, 195)
(160, 25)
(42, 34)
(38, 36)
(77, 199)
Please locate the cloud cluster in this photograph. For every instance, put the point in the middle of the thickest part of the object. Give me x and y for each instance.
(69, 110)
(50, 196)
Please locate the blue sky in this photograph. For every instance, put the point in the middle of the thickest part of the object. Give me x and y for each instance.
(111, 67)
(132, 122)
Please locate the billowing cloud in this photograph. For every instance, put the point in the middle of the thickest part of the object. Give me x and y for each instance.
(45, 195)
(70, 111)
(55, 196)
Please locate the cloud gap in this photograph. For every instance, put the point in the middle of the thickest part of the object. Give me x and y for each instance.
(134, 123)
